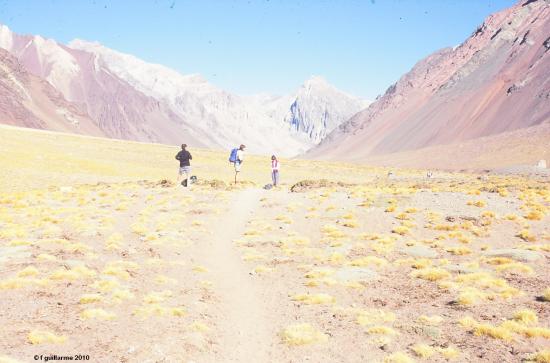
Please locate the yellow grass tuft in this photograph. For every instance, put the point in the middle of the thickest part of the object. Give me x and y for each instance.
(498, 260)
(97, 314)
(178, 311)
(252, 232)
(546, 294)
(471, 296)
(262, 269)
(314, 299)
(19, 242)
(534, 215)
(445, 227)
(162, 280)
(332, 231)
(431, 274)
(503, 192)
(105, 285)
(525, 235)
(251, 256)
(121, 295)
(200, 269)
(430, 320)
(349, 216)
(283, 218)
(511, 217)
(368, 261)
(150, 310)
(526, 316)
(477, 203)
(421, 263)
(374, 316)
(46, 257)
(116, 271)
(381, 329)
(318, 273)
(16, 283)
(28, 271)
(139, 229)
(296, 240)
(113, 242)
(540, 357)
(401, 230)
(402, 216)
(488, 214)
(157, 297)
(516, 267)
(350, 223)
(449, 352)
(423, 350)
(537, 332)
(468, 322)
(302, 334)
(459, 251)
(42, 336)
(90, 298)
(398, 357)
(496, 332)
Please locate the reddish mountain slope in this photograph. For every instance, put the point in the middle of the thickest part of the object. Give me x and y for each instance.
(29, 101)
(525, 146)
(497, 80)
(117, 108)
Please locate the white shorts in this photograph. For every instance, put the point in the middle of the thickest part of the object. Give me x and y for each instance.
(185, 170)
(237, 166)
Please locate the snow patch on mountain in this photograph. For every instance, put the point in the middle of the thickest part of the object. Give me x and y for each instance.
(130, 98)
(6, 37)
(284, 124)
(318, 108)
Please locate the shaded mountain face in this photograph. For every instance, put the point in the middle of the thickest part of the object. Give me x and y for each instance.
(498, 80)
(128, 98)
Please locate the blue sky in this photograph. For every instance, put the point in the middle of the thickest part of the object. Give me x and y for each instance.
(360, 46)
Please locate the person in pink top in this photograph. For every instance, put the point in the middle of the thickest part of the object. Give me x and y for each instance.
(275, 165)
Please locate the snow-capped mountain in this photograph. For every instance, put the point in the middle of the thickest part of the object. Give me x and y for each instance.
(287, 124)
(318, 108)
(129, 98)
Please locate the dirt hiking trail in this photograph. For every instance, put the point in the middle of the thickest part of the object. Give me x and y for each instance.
(244, 324)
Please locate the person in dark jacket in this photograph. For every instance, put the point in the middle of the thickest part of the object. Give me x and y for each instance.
(184, 158)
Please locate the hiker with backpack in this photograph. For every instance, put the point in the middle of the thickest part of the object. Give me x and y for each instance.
(236, 158)
(275, 165)
(184, 158)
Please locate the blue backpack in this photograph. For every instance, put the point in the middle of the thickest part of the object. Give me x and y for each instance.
(233, 155)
